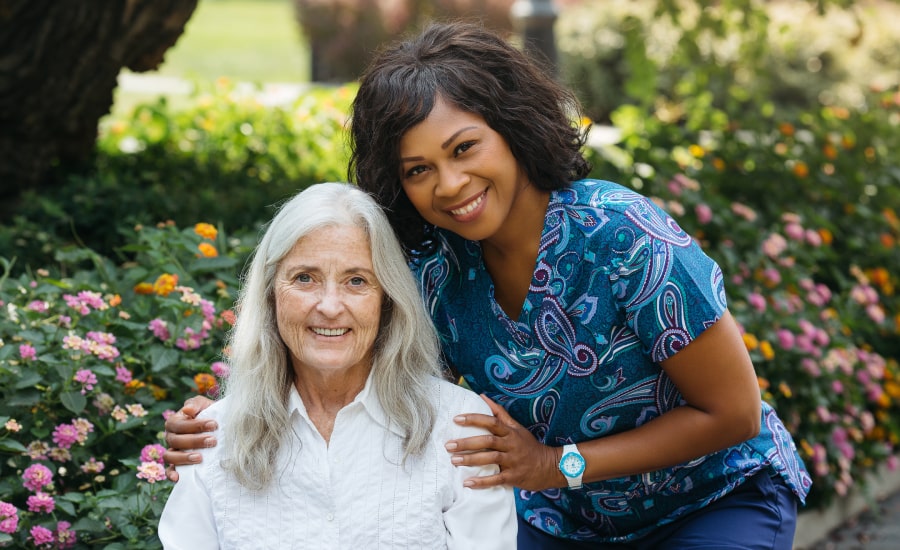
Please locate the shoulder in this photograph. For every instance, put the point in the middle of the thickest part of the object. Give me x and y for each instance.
(451, 399)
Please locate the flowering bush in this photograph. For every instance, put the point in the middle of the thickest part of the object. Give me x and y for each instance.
(801, 215)
(90, 365)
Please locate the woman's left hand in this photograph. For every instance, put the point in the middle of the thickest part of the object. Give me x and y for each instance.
(524, 462)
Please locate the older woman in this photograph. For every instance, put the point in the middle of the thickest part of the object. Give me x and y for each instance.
(334, 419)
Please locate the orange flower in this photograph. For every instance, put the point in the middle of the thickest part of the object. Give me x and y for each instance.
(719, 164)
(143, 288)
(229, 317)
(785, 390)
(750, 341)
(205, 382)
(848, 142)
(786, 129)
(158, 393)
(827, 236)
(763, 383)
(892, 389)
(133, 386)
(891, 217)
(115, 300)
(887, 240)
(205, 230)
(829, 151)
(800, 169)
(165, 284)
(207, 250)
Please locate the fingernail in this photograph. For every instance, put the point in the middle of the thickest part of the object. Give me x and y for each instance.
(460, 419)
(450, 446)
(210, 426)
(194, 457)
(468, 483)
(209, 442)
(456, 460)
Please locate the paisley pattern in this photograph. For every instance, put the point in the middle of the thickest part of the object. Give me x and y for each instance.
(618, 286)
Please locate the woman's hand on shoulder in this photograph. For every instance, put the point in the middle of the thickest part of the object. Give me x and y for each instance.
(184, 431)
(524, 462)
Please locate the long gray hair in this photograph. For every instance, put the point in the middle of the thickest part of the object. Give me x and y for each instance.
(406, 350)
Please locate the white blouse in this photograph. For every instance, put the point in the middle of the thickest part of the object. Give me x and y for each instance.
(351, 493)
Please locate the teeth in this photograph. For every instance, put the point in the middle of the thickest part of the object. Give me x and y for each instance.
(331, 331)
(469, 207)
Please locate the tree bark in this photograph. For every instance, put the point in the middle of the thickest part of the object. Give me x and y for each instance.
(59, 63)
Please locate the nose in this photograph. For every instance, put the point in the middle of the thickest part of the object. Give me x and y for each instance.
(450, 182)
(331, 300)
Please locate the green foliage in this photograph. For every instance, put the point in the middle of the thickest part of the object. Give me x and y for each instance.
(801, 213)
(685, 60)
(90, 365)
(228, 157)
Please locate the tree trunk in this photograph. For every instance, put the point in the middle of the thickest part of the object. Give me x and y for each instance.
(59, 63)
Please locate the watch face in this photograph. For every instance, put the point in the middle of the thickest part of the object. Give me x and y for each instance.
(572, 464)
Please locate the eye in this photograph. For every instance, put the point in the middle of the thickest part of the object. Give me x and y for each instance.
(414, 171)
(463, 147)
(303, 278)
(357, 281)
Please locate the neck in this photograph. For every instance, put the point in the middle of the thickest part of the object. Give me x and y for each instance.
(328, 393)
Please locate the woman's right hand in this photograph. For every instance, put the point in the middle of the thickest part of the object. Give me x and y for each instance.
(184, 431)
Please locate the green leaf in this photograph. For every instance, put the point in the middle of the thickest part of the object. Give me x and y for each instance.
(28, 380)
(12, 446)
(162, 357)
(73, 400)
(67, 507)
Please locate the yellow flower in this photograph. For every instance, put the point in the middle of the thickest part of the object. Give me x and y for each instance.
(207, 231)
(207, 250)
(750, 341)
(719, 164)
(205, 382)
(696, 150)
(165, 284)
(133, 386)
(785, 390)
(766, 349)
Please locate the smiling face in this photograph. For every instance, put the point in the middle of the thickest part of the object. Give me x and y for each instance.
(328, 302)
(461, 175)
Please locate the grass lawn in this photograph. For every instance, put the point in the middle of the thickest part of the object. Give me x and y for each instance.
(244, 40)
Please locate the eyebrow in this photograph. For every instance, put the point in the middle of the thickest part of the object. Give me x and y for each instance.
(443, 145)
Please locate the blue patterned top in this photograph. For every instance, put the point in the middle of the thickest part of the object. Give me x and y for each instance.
(618, 287)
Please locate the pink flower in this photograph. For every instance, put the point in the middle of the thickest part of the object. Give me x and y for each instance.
(65, 435)
(9, 518)
(39, 306)
(83, 426)
(92, 466)
(794, 231)
(813, 238)
(190, 341)
(756, 301)
(27, 352)
(36, 477)
(159, 329)
(774, 245)
(772, 275)
(41, 502)
(41, 535)
(875, 313)
(704, 213)
(151, 471)
(153, 453)
(86, 378)
(785, 338)
(220, 369)
(123, 375)
(66, 537)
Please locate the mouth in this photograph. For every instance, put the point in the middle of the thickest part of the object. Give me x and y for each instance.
(470, 206)
(330, 331)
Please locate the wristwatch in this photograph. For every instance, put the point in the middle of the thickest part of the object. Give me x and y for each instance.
(572, 465)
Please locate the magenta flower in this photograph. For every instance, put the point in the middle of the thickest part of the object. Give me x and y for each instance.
(41, 502)
(794, 231)
(9, 518)
(27, 352)
(153, 453)
(160, 329)
(123, 375)
(757, 301)
(41, 535)
(36, 476)
(86, 378)
(785, 338)
(65, 435)
(220, 369)
(704, 213)
(39, 306)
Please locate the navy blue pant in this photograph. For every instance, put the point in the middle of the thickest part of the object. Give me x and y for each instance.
(760, 514)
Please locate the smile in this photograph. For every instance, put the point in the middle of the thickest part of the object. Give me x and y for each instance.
(331, 331)
(469, 207)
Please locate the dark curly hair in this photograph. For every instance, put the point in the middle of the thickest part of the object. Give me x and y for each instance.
(477, 71)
